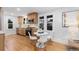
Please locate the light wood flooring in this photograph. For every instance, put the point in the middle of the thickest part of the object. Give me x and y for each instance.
(22, 43)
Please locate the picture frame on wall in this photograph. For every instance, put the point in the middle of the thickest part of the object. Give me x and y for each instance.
(64, 20)
(70, 18)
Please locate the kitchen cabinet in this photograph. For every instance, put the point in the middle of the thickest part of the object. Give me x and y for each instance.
(20, 20)
(33, 17)
(21, 31)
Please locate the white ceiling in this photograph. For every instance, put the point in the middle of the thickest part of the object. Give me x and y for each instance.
(41, 10)
(24, 10)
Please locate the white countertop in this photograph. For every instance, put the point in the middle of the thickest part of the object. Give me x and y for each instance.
(1, 32)
(40, 34)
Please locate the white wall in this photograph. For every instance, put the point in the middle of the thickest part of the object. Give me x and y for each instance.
(10, 31)
(59, 33)
(0, 18)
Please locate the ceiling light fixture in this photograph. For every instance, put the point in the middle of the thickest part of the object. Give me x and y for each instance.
(25, 16)
(18, 9)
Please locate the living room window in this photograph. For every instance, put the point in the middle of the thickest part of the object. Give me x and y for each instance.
(10, 24)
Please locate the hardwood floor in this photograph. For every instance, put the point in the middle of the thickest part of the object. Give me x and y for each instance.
(21, 43)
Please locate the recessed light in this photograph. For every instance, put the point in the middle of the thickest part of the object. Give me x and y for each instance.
(18, 9)
(25, 16)
(12, 13)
